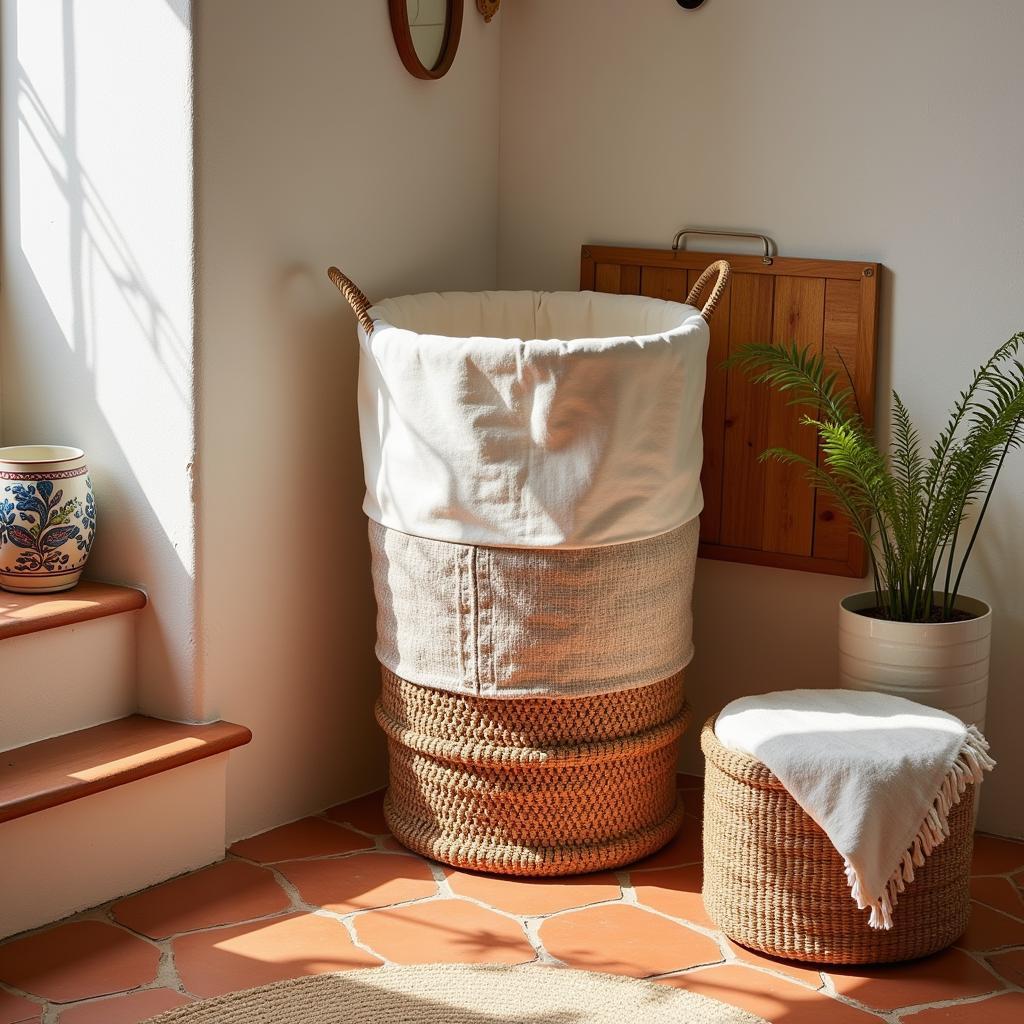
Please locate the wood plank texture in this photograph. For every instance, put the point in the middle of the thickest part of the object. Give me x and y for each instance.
(832, 537)
(65, 768)
(716, 395)
(29, 613)
(746, 417)
(662, 283)
(788, 502)
(687, 260)
(754, 512)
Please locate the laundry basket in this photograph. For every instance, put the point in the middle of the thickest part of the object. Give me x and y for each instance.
(532, 466)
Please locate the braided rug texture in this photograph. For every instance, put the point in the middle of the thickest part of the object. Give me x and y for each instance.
(460, 994)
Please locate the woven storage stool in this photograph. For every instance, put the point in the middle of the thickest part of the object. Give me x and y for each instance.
(545, 786)
(774, 882)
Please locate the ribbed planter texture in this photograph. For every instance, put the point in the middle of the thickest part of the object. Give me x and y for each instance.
(942, 664)
(532, 467)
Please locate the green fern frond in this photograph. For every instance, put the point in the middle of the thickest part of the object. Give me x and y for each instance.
(790, 368)
(908, 509)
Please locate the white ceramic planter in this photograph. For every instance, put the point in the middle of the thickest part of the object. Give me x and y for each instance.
(47, 517)
(942, 664)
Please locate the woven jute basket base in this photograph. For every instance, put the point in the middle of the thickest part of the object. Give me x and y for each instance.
(774, 882)
(533, 786)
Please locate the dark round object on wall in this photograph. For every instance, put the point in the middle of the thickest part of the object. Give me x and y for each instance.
(426, 44)
(690, 5)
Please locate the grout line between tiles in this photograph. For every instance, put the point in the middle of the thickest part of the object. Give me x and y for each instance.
(167, 977)
(941, 1004)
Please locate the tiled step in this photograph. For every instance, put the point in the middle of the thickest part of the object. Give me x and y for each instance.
(21, 614)
(67, 661)
(97, 813)
(65, 768)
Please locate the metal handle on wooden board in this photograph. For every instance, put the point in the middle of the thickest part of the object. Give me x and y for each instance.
(679, 241)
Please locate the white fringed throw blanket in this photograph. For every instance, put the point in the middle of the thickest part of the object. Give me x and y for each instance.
(879, 774)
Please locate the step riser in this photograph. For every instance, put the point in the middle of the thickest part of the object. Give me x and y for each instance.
(68, 858)
(59, 680)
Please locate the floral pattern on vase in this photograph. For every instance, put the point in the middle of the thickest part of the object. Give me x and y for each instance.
(47, 520)
(86, 514)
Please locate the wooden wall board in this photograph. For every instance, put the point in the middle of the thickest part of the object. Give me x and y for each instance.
(762, 512)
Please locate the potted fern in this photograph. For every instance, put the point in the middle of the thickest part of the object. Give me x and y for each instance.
(919, 513)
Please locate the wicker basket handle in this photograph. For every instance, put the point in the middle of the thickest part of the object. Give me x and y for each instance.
(708, 311)
(356, 299)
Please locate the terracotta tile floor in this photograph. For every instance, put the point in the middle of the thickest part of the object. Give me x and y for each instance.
(335, 892)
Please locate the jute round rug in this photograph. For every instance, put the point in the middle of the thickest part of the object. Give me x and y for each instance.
(460, 994)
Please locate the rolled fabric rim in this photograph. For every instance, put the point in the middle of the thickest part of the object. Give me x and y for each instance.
(532, 419)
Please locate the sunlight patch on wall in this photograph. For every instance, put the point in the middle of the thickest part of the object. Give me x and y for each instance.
(97, 302)
(105, 222)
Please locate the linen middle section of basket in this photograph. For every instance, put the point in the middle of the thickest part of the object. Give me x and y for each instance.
(519, 622)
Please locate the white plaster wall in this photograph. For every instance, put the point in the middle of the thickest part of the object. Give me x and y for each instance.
(872, 130)
(314, 146)
(96, 290)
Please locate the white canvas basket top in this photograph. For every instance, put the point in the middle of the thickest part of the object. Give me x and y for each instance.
(532, 419)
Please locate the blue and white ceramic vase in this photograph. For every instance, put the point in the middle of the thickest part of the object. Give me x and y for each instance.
(47, 518)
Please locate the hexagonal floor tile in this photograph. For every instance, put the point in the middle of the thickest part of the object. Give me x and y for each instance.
(366, 813)
(806, 974)
(444, 931)
(77, 961)
(223, 960)
(693, 803)
(674, 891)
(1000, 894)
(535, 896)
(625, 939)
(777, 1000)
(15, 1010)
(1007, 1008)
(310, 837)
(685, 848)
(988, 929)
(948, 975)
(1010, 965)
(994, 856)
(129, 1009)
(363, 881)
(225, 893)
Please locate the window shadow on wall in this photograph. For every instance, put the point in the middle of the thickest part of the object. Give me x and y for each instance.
(92, 355)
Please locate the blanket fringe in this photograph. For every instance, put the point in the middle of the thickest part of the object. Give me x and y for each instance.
(968, 769)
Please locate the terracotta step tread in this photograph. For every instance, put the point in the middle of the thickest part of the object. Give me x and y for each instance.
(28, 613)
(65, 768)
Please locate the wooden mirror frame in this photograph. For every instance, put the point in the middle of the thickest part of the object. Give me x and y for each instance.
(407, 51)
